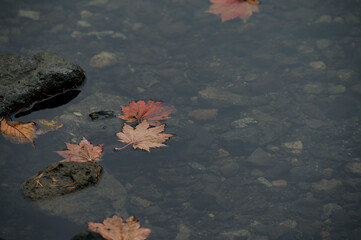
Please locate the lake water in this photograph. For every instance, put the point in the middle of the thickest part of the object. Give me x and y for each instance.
(267, 118)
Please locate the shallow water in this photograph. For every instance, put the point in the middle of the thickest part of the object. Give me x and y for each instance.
(280, 160)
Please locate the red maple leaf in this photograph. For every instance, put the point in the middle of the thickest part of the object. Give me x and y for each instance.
(151, 111)
(229, 9)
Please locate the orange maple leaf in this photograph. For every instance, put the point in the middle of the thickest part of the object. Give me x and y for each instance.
(151, 111)
(18, 132)
(229, 9)
(143, 136)
(82, 152)
(114, 229)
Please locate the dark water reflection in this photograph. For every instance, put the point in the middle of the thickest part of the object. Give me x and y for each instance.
(280, 160)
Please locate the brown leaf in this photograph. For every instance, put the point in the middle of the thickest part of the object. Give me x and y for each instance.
(18, 132)
(82, 152)
(114, 229)
(229, 9)
(143, 136)
(151, 111)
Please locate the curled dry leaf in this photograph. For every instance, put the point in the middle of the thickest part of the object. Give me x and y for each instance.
(143, 136)
(18, 132)
(151, 111)
(114, 229)
(82, 152)
(229, 9)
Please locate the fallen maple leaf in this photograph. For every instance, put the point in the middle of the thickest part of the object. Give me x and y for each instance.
(143, 136)
(114, 229)
(82, 152)
(18, 132)
(151, 111)
(229, 9)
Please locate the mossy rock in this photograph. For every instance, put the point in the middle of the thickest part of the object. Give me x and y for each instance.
(61, 178)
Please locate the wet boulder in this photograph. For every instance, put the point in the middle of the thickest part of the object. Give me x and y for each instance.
(25, 80)
(61, 178)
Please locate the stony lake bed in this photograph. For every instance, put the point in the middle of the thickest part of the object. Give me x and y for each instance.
(266, 119)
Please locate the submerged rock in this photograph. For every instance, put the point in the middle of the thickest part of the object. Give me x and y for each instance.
(107, 198)
(25, 80)
(61, 178)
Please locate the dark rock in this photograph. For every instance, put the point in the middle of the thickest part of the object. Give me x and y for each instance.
(280, 170)
(343, 221)
(229, 169)
(101, 115)
(303, 173)
(308, 208)
(61, 178)
(88, 236)
(203, 201)
(260, 158)
(25, 80)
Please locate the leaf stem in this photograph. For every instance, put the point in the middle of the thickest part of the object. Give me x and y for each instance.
(117, 149)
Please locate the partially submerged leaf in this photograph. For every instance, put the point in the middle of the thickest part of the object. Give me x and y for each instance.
(82, 152)
(114, 229)
(143, 136)
(44, 126)
(229, 9)
(18, 132)
(151, 111)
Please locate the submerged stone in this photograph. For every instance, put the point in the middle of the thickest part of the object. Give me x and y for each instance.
(25, 80)
(61, 178)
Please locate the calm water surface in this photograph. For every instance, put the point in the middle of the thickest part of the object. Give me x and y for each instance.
(278, 157)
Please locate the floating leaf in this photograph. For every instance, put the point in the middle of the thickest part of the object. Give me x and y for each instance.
(114, 229)
(82, 152)
(229, 9)
(18, 132)
(151, 111)
(143, 136)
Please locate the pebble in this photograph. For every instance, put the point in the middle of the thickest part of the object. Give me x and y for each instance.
(319, 65)
(327, 185)
(337, 89)
(279, 183)
(183, 232)
(338, 20)
(4, 39)
(264, 181)
(305, 49)
(328, 209)
(85, 14)
(78, 114)
(97, 2)
(237, 234)
(356, 88)
(324, 19)
(103, 59)
(346, 75)
(353, 167)
(84, 24)
(295, 146)
(203, 114)
(323, 43)
(260, 158)
(229, 169)
(289, 223)
(312, 88)
(29, 14)
(243, 122)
